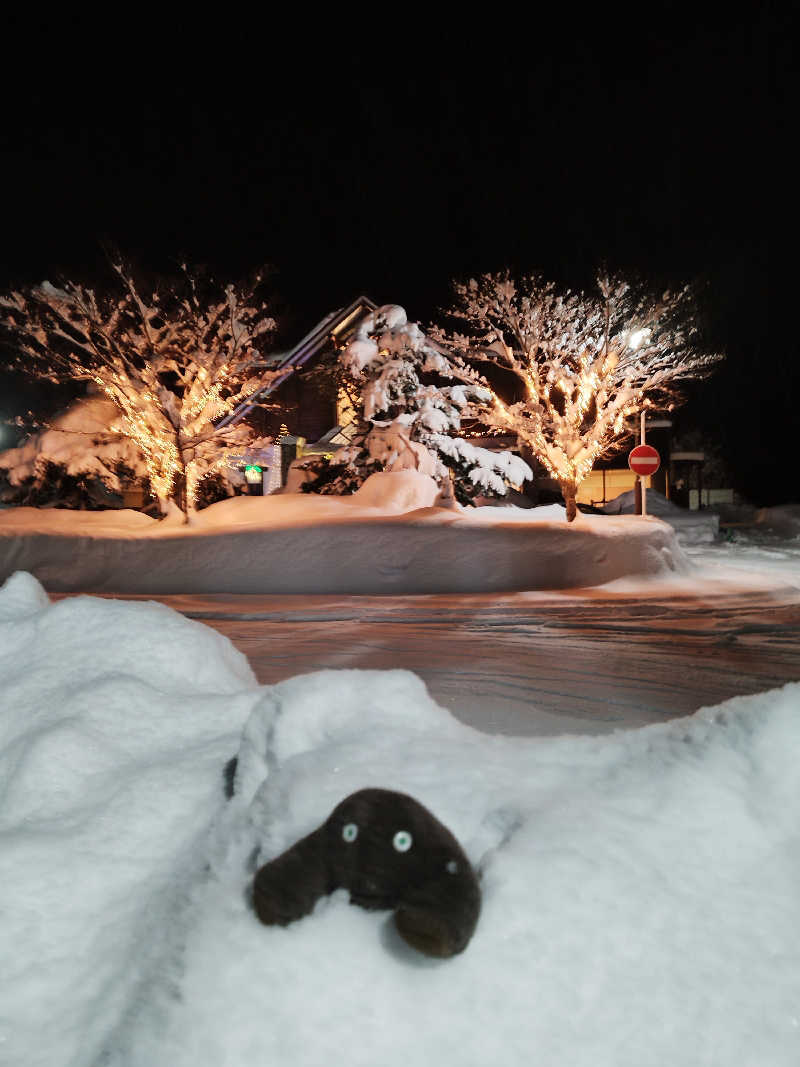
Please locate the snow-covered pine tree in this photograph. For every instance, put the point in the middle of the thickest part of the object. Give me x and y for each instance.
(578, 365)
(408, 417)
(172, 360)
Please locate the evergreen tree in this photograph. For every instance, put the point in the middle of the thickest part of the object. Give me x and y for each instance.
(409, 417)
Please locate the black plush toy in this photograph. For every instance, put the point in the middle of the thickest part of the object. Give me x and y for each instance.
(389, 852)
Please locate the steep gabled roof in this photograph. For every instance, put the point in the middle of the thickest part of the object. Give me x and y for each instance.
(337, 325)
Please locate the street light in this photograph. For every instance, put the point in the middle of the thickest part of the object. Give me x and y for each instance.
(637, 338)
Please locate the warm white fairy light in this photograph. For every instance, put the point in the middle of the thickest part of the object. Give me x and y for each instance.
(586, 362)
(159, 450)
(201, 403)
(170, 361)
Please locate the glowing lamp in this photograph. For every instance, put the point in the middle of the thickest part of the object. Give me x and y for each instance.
(637, 339)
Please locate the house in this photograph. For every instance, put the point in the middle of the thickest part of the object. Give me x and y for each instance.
(312, 412)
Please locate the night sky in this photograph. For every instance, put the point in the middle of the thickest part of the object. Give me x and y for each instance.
(393, 160)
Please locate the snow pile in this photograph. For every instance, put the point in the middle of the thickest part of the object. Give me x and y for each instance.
(780, 521)
(114, 721)
(692, 527)
(86, 439)
(640, 890)
(364, 543)
(399, 491)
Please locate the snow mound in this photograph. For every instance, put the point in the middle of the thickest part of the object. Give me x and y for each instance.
(358, 544)
(692, 527)
(640, 893)
(114, 720)
(657, 504)
(398, 491)
(86, 438)
(782, 521)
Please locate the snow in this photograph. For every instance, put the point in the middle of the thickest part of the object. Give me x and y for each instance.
(388, 537)
(114, 720)
(692, 527)
(640, 901)
(407, 423)
(397, 491)
(87, 438)
(174, 361)
(781, 521)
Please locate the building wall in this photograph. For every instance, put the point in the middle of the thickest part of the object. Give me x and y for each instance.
(303, 409)
(590, 490)
(711, 497)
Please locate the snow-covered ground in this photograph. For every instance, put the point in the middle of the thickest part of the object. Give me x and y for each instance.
(388, 537)
(640, 889)
(391, 537)
(692, 527)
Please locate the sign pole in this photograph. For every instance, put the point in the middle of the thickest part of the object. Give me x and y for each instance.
(641, 476)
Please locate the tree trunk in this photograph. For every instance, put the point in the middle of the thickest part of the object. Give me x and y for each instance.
(179, 494)
(569, 491)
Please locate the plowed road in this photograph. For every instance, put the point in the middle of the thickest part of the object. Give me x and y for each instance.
(528, 663)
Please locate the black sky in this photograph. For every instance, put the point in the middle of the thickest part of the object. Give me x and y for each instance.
(392, 160)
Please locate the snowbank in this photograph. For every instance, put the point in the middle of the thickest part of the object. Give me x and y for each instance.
(86, 438)
(692, 527)
(781, 521)
(114, 719)
(367, 543)
(640, 901)
(401, 491)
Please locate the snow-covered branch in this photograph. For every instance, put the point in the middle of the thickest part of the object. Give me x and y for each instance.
(173, 360)
(581, 364)
(410, 415)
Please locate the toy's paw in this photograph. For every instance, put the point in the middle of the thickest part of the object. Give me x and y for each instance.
(288, 887)
(428, 932)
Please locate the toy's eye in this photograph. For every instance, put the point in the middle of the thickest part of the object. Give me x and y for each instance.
(452, 867)
(402, 841)
(350, 832)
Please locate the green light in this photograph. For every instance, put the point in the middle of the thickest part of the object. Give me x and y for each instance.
(253, 467)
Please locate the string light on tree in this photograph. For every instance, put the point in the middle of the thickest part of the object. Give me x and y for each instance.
(173, 363)
(584, 363)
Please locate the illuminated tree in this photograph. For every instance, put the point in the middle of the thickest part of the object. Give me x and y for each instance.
(173, 361)
(408, 417)
(579, 365)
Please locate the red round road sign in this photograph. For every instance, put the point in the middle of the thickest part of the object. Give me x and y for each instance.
(644, 460)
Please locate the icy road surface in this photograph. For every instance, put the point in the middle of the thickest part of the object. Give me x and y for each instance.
(583, 662)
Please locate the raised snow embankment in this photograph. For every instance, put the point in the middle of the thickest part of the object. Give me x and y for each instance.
(300, 544)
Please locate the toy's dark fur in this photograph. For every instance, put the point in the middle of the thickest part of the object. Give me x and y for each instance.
(431, 886)
(229, 776)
